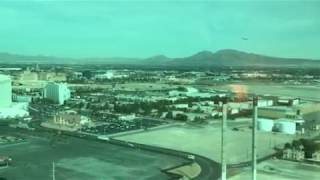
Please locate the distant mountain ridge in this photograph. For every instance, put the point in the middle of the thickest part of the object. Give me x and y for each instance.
(235, 58)
(222, 58)
(13, 59)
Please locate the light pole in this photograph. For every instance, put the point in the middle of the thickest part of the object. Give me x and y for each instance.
(254, 132)
(223, 129)
(53, 171)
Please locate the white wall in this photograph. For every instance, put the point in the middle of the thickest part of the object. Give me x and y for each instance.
(5, 91)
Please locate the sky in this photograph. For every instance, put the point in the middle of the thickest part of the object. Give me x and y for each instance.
(132, 28)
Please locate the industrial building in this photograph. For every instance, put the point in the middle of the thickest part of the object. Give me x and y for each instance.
(276, 112)
(288, 101)
(281, 125)
(57, 92)
(290, 112)
(5, 91)
(286, 126)
(248, 104)
(265, 124)
(307, 107)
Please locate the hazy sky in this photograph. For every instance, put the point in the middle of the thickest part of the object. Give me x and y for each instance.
(131, 28)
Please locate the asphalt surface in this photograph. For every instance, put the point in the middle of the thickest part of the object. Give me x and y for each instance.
(210, 170)
(123, 126)
(74, 156)
(80, 159)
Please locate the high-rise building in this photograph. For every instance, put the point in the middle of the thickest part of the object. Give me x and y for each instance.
(5, 91)
(57, 92)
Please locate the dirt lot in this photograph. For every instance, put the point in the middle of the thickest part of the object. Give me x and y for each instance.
(282, 170)
(206, 141)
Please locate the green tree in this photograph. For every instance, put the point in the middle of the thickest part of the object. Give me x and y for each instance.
(181, 117)
(287, 146)
(169, 115)
(310, 147)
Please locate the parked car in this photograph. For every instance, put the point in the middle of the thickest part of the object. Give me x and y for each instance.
(5, 160)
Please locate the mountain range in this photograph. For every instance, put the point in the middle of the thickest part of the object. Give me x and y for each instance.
(222, 58)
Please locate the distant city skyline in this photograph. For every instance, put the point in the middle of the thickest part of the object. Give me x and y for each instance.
(142, 29)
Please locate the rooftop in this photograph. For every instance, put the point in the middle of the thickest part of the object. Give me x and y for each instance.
(280, 108)
(4, 77)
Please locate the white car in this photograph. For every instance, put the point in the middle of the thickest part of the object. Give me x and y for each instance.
(192, 157)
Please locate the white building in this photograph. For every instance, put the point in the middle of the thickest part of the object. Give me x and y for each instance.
(265, 124)
(286, 126)
(181, 106)
(5, 91)
(107, 75)
(15, 110)
(57, 92)
(248, 105)
(130, 117)
(111, 75)
(7, 108)
(289, 101)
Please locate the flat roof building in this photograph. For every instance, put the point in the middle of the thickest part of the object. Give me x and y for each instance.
(276, 112)
(57, 92)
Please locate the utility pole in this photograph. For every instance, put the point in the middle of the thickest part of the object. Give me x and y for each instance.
(223, 129)
(53, 171)
(254, 133)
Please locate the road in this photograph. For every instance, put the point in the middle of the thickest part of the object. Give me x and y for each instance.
(210, 170)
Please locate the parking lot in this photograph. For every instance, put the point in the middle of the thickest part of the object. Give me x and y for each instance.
(117, 126)
(206, 141)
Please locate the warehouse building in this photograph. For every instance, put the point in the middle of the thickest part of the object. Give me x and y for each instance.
(281, 125)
